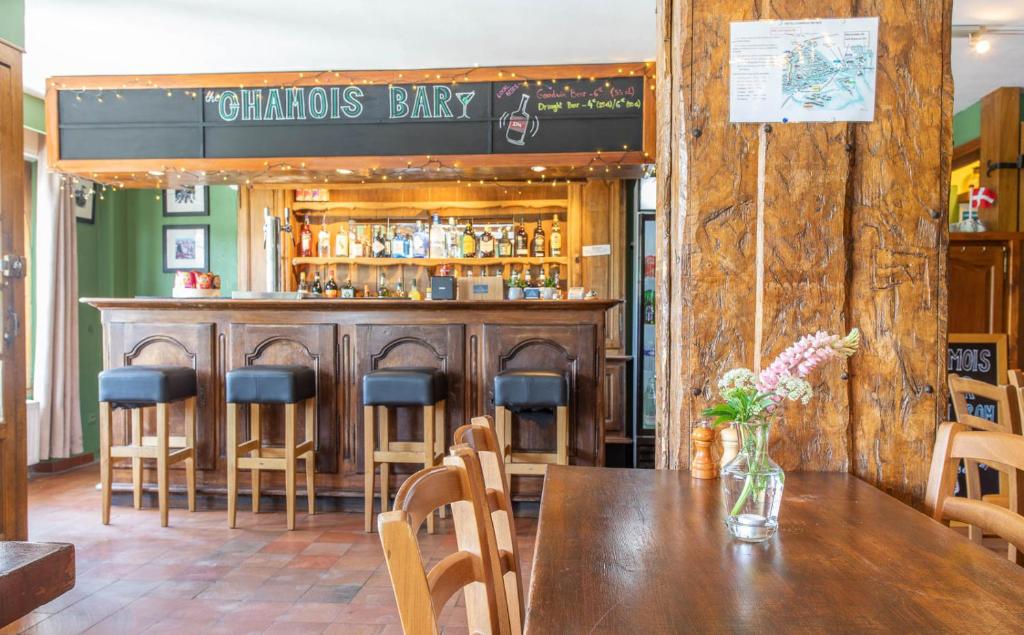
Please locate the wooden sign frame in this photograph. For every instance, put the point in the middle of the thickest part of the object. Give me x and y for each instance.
(999, 339)
(171, 172)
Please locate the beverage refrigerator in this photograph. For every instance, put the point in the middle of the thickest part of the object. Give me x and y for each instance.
(643, 284)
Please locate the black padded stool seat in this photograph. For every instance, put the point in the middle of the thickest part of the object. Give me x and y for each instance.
(270, 384)
(133, 386)
(528, 389)
(404, 387)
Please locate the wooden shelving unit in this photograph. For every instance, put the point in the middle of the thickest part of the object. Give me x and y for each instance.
(431, 262)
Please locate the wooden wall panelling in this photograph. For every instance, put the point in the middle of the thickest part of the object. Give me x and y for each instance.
(603, 222)
(1001, 142)
(189, 345)
(978, 285)
(440, 346)
(800, 265)
(617, 409)
(312, 345)
(571, 349)
(251, 254)
(743, 208)
(898, 240)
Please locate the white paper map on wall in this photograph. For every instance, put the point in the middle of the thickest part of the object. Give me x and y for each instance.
(803, 70)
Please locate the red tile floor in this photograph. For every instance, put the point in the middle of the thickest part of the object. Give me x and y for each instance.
(198, 576)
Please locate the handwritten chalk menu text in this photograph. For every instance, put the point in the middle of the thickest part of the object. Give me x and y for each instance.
(573, 115)
(979, 356)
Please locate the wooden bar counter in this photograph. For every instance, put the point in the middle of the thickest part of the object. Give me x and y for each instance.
(471, 341)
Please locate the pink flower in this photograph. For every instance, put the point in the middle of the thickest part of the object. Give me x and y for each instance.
(805, 355)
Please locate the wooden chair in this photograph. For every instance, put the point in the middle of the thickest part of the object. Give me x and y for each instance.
(1008, 418)
(475, 567)
(956, 441)
(1016, 377)
(479, 434)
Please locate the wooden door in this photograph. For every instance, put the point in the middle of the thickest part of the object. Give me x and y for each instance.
(977, 287)
(13, 468)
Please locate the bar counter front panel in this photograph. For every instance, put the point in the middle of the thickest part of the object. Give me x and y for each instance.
(344, 339)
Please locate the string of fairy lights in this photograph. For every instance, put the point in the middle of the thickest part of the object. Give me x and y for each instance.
(602, 162)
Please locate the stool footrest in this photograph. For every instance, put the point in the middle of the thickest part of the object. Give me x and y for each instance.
(260, 463)
(172, 442)
(148, 452)
(550, 458)
(526, 469)
(249, 446)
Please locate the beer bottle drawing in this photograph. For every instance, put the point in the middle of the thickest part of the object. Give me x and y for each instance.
(518, 123)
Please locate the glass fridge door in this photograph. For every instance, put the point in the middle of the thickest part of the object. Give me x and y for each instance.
(645, 335)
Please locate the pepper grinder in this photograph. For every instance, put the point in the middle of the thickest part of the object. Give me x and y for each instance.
(730, 443)
(703, 465)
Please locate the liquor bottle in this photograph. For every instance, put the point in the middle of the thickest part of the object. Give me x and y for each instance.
(366, 291)
(414, 292)
(438, 243)
(389, 238)
(377, 249)
(306, 240)
(556, 238)
(399, 291)
(347, 291)
(420, 242)
(522, 241)
(537, 246)
(341, 243)
(649, 306)
(504, 245)
(528, 275)
(486, 244)
(356, 249)
(454, 244)
(331, 288)
(382, 286)
(469, 241)
(323, 242)
(518, 123)
(303, 285)
(317, 288)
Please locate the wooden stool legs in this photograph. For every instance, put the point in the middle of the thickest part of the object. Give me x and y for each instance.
(429, 452)
(166, 449)
(263, 458)
(531, 463)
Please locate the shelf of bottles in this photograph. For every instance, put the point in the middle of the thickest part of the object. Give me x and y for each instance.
(527, 247)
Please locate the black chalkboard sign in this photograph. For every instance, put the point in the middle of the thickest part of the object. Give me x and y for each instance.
(980, 356)
(571, 115)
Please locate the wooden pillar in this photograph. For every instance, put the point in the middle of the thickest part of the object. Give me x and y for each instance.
(1001, 143)
(767, 232)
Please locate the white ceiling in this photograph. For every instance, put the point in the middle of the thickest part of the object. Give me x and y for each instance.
(72, 37)
(975, 75)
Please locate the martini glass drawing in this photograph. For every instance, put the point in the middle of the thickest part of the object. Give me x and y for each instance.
(464, 99)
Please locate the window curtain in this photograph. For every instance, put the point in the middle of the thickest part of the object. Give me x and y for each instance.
(55, 376)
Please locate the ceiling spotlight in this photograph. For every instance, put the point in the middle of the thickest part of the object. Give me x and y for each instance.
(979, 42)
(538, 168)
(343, 171)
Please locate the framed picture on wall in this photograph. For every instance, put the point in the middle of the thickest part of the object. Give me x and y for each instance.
(188, 200)
(83, 201)
(186, 248)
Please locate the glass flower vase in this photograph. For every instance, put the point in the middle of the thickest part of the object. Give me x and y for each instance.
(752, 485)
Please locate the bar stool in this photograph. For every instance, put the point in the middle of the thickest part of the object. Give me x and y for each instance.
(393, 388)
(256, 386)
(524, 390)
(135, 388)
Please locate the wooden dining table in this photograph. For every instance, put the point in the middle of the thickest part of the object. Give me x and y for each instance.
(647, 551)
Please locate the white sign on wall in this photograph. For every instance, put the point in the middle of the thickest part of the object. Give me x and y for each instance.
(802, 70)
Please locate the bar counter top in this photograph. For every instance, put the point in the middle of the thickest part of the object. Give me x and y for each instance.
(355, 304)
(342, 340)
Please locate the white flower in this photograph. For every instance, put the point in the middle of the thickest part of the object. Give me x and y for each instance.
(794, 389)
(737, 378)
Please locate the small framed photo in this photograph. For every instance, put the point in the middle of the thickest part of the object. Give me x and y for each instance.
(188, 200)
(186, 248)
(83, 200)
(312, 195)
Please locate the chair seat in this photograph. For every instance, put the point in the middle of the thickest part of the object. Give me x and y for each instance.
(270, 384)
(404, 387)
(132, 386)
(526, 389)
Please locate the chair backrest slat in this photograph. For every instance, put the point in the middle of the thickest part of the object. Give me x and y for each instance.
(1005, 396)
(479, 434)
(956, 441)
(475, 567)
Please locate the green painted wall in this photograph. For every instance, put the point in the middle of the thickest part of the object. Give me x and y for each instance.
(34, 113)
(147, 210)
(967, 124)
(12, 21)
(121, 256)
